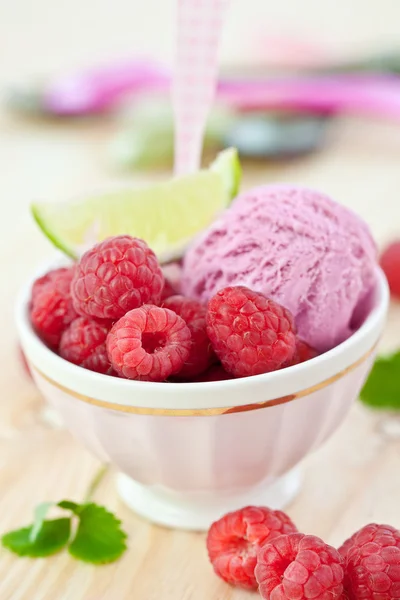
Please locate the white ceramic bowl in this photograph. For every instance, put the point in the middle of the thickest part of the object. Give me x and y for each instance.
(189, 452)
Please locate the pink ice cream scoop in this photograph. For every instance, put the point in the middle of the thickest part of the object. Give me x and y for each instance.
(314, 256)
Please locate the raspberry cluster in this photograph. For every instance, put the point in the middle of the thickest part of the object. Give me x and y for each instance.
(259, 548)
(114, 312)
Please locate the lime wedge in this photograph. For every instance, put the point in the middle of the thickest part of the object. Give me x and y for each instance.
(227, 165)
(166, 215)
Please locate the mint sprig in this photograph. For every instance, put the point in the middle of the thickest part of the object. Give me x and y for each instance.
(97, 538)
(382, 388)
(52, 537)
(40, 514)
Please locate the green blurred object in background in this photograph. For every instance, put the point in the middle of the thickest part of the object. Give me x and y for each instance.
(145, 139)
(146, 136)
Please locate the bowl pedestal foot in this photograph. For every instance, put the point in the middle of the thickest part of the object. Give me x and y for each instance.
(196, 511)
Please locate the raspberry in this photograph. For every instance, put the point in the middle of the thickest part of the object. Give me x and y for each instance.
(214, 373)
(250, 333)
(390, 263)
(149, 343)
(51, 308)
(84, 344)
(302, 353)
(372, 563)
(297, 567)
(168, 290)
(51, 278)
(116, 276)
(234, 540)
(194, 314)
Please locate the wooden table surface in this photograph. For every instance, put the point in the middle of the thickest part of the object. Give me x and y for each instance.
(352, 480)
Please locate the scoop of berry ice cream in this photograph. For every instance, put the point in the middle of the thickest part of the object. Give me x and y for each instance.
(305, 251)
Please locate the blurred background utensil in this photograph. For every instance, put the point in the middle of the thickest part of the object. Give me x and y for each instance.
(144, 139)
(266, 112)
(104, 88)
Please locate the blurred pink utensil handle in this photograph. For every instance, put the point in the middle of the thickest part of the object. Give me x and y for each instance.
(364, 94)
(97, 90)
(195, 77)
(102, 89)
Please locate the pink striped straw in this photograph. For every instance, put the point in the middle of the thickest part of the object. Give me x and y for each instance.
(195, 76)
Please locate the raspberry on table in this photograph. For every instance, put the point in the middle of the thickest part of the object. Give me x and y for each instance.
(84, 344)
(201, 353)
(117, 275)
(51, 308)
(250, 334)
(390, 263)
(302, 353)
(372, 563)
(234, 540)
(299, 567)
(149, 343)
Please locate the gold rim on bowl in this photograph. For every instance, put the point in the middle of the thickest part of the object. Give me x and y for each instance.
(205, 412)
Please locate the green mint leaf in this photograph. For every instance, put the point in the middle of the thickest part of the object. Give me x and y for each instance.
(69, 505)
(99, 538)
(382, 388)
(40, 514)
(51, 538)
